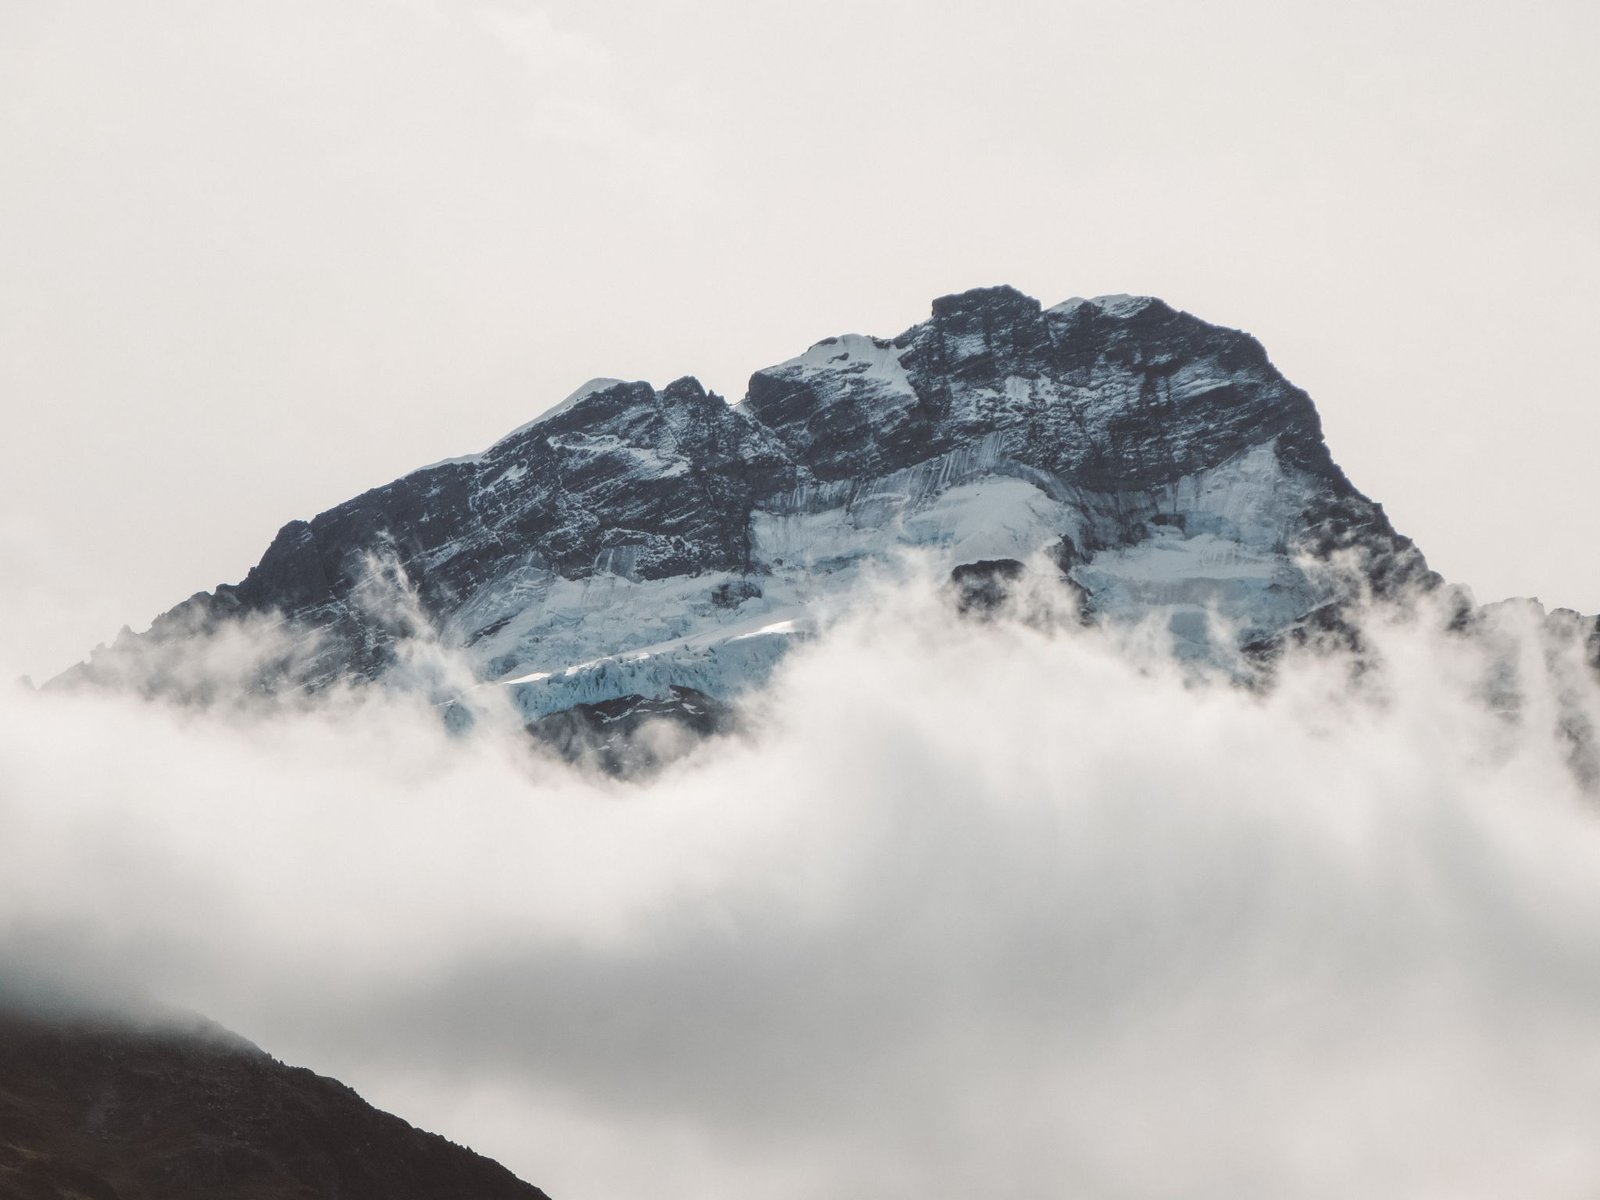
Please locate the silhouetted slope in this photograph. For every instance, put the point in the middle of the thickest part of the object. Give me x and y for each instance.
(95, 1110)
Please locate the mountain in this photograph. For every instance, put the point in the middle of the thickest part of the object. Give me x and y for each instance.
(95, 1108)
(635, 554)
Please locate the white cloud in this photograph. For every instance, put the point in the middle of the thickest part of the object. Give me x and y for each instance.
(982, 909)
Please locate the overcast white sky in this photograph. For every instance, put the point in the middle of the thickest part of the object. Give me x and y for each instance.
(255, 258)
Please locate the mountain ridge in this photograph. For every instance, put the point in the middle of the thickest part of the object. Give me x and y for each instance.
(635, 543)
(101, 1107)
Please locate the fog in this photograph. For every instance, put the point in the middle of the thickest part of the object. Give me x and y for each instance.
(1008, 908)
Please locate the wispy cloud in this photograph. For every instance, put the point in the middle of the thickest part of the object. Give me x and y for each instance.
(995, 909)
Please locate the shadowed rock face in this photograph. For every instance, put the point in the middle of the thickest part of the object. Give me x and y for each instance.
(1125, 393)
(633, 735)
(631, 541)
(983, 588)
(97, 1110)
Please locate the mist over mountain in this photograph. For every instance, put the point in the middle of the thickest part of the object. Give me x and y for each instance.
(1000, 880)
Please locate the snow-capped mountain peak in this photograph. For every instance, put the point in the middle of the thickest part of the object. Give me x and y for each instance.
(632, 542)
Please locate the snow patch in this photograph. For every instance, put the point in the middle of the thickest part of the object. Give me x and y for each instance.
(1117, 304)
(588, 389)
(852, 359)
(602, 384)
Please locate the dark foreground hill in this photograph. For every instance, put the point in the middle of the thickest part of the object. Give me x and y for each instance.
(91, 1109)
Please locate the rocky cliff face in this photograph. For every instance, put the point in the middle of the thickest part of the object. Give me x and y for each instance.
(632, 541)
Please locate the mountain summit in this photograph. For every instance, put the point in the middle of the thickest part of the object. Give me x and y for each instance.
(662, 547)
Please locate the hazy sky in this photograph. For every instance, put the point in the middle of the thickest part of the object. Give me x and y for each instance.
(1006, 940)
(255, 258)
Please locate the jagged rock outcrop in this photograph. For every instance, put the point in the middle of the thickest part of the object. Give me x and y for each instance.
(632, 540)
(95, 1108)
(634, 735)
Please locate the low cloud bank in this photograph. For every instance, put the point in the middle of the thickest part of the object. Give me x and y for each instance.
(989, 909)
